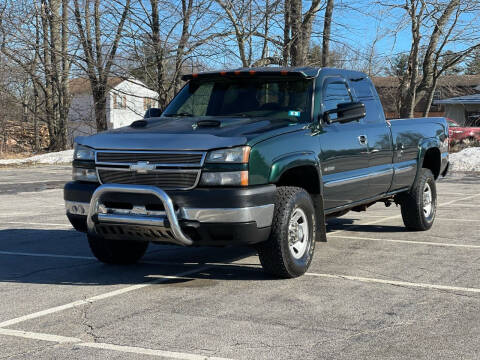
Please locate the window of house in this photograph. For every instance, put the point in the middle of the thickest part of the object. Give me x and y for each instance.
(149, 103)
(119, 101)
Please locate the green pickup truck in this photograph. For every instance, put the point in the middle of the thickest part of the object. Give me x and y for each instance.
(257, 156)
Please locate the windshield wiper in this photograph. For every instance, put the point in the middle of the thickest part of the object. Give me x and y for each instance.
(179, 114)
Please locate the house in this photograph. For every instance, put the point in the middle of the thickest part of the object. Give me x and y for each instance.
(448, 86)
(127, 101)
(465, 110)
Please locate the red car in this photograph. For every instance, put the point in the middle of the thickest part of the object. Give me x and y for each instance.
(459, 133)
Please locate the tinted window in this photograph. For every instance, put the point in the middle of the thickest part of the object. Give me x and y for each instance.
(363, 88)
(244, 97)
(335, 93)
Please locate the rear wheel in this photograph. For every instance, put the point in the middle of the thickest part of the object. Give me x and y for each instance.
(289, 250)
(117, 251)
(419, 205)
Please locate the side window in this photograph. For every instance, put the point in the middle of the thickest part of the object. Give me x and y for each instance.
(335, 93)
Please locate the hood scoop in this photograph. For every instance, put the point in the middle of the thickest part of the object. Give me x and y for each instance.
(139, 124)
(208, 123)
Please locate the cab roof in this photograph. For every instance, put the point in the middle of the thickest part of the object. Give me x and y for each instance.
(303, 72)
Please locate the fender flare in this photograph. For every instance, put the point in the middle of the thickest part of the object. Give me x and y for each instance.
(423, 147)
(289, 161)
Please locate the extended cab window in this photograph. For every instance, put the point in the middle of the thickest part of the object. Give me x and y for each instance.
(244, 97)
(335, 93)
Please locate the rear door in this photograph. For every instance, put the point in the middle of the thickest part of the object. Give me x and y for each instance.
(379, 137)
(344, 152)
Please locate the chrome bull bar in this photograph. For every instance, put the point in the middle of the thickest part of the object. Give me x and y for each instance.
(158, 220)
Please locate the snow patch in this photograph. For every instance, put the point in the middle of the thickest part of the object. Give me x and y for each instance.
(61, 157)
(466, 160)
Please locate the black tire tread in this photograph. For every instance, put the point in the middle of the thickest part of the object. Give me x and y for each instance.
(121, 252)
(411, 203)
(270, 252)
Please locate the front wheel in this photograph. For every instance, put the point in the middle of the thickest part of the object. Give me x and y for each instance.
(419, 205)
(289, 250)
(117, 251)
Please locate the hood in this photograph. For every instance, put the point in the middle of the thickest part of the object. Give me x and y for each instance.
(190, 133)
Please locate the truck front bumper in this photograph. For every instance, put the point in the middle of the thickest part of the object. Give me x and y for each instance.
(202, 216)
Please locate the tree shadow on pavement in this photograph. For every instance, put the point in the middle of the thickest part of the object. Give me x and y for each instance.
(21, 261)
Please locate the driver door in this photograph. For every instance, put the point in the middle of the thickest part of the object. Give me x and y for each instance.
(344, 152)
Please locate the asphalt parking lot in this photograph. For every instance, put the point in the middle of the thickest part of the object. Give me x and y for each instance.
(374, 290)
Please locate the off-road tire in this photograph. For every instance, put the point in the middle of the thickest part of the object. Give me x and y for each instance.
(117, 251)
(275, 255)
(412, 203)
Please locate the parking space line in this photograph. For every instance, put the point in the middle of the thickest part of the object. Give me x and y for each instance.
(46, 255)
(39, 336)
(32, 223)
(397, 283)
(408, 242)
(399, 215)
(95, 298)
(436, 218)
(104, 346)
(152, 352)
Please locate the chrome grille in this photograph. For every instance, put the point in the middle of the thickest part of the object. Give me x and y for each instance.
(166, 179)
(190, 159)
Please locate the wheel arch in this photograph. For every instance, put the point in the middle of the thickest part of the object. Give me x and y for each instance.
(298, 169)
(430, 157)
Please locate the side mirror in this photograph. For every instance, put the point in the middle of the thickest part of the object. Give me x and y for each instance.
(346, 112)
(152, 112)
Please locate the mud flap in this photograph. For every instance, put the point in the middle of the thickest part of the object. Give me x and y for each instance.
(321, 223)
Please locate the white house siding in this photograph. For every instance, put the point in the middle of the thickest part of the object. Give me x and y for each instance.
(81, 117)
(135, 93)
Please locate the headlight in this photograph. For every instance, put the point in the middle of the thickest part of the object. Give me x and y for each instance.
(233, 155)
(83, 153)
(83, 174)
(227, 178)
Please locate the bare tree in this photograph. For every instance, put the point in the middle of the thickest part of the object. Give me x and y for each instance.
(434, 26)
(327, 30)
(97, 62)
(41, 52)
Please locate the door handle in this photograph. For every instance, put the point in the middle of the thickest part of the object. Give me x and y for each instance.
(363, 140)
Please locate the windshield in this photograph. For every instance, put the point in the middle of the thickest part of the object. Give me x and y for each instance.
(252, 97)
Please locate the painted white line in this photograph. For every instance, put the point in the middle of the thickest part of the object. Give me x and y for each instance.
(94, 298)
(456, 206)
(14, 182)
(152, 352)
(46, 255)
(436, 218)
(408, 242)
(39, 336)
(32, 223)
(399, 215)
(103, 346)
(397, 283)
(461, 199)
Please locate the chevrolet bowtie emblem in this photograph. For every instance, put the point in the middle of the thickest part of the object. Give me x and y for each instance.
(142, 167)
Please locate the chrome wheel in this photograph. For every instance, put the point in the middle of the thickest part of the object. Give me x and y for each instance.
(428, 205)
(298, 233)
